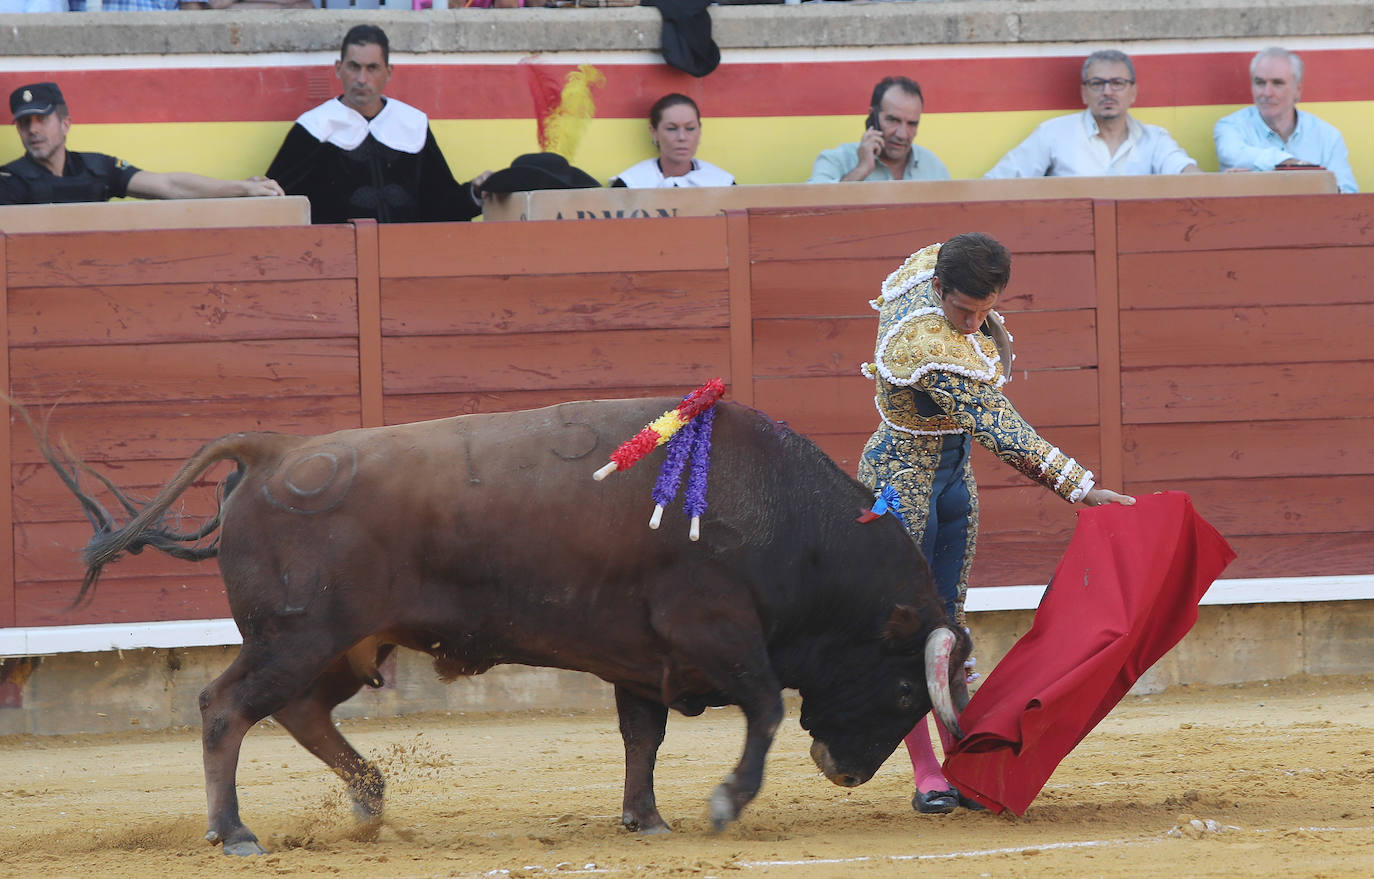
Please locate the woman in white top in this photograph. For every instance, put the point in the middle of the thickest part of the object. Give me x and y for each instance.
(675, 127)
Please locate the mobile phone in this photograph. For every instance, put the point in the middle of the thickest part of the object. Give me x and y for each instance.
(872, 121)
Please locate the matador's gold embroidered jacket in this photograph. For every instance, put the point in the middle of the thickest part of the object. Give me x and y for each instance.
(920, 354)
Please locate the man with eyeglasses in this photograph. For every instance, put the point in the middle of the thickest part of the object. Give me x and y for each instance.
(1102, 140)
(1273, 134)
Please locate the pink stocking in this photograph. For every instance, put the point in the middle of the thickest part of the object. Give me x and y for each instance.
(925, 769)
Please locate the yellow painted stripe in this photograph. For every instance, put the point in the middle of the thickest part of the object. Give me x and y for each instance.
(755, 150)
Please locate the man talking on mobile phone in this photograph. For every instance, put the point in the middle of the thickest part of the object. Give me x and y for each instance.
(888, 149)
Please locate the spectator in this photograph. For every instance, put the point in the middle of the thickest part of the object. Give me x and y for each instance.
(675, 129)
(138, 5)
(888, 150)
(9, 6)
(247, 4)
(363, 154)
(49, 172)
(1104, 139)
(1274, 133)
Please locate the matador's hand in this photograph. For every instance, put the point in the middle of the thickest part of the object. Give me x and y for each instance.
(1099, 496)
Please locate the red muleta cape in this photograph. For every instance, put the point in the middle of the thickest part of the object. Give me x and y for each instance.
(1125, 592)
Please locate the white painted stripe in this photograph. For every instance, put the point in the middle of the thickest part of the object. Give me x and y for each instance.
(46, 640)
(811, 55)
(1273, 590)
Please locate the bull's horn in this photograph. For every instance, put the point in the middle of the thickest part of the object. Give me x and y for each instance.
(939, 645)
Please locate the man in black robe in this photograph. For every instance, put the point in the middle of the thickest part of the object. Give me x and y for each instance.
(366, 155)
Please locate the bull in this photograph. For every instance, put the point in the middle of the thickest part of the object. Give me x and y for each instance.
(482, 539)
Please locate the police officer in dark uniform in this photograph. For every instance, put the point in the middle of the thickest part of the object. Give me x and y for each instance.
(49, 172)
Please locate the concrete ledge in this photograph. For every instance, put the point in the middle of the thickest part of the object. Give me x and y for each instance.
(925, 23)
(156, 687)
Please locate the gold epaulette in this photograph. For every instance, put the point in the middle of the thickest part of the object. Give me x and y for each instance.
(926, 342)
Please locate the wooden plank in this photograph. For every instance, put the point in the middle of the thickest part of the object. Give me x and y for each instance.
(177, 256)
(157, 430)
(422, 250)
(248, 370)
(1108, 343)
(837, 346)
(741, 315)
(843, 287)
(403, 408)
(616, 203)
(554, 303)
(1240, 393)
(369, 324)
(175, 213)
(39, 496)
(201, 311)
(844, 404)
(51, 551)
(1282, 505)
(526, 361)
(1010, 563)
(1301, 555)
(1245, 277)
(7, 593)
(894, 231)
(1307, 333)
(1250, 222)
(1246, 450)
(1025, 513)
(190, 597)
(1005, 562)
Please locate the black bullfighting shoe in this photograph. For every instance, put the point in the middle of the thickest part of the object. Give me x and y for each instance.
(971, 804)
(935, 802)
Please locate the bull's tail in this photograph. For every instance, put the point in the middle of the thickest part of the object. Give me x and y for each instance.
(147, 527)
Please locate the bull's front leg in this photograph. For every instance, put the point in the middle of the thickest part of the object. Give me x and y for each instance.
(763, 713)
(642, 724)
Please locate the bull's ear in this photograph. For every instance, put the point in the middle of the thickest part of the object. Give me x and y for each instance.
(904, 623)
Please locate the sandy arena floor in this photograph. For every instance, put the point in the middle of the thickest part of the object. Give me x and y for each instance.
(1285, 771)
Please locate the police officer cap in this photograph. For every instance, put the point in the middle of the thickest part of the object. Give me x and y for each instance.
(38, 99)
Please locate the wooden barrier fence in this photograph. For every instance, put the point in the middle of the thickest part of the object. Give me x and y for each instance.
(1219, 346)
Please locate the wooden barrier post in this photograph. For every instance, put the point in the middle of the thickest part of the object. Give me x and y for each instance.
(741, 307)
(8, 607)
(1108, 345)
(369, 323)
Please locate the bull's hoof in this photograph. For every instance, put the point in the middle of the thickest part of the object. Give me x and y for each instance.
(651, 826)
(368, 811)
(722, 808)
(240, 847)
(244, 849)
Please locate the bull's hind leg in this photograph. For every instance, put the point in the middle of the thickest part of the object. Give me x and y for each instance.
(261, 680)
(642, 724)
(229, 707)
(309, 719)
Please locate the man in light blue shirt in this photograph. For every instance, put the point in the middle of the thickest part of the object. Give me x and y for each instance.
(1102, 140)
(888, 150)
(1274, 133)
